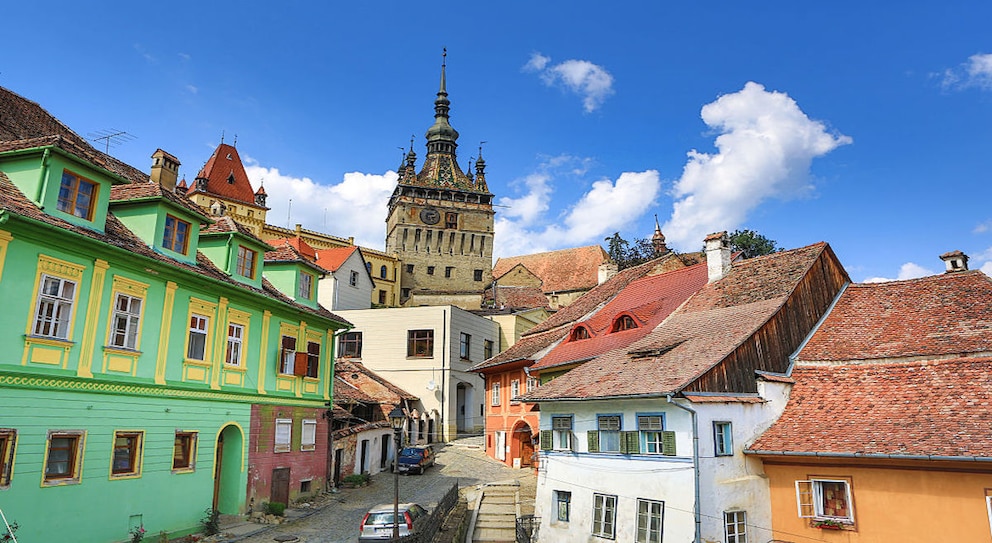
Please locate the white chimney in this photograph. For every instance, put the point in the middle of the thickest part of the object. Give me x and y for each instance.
(606, 271)
(717, 255)
(955, 261)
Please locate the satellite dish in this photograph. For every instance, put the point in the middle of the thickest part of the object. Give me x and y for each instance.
(431, 385)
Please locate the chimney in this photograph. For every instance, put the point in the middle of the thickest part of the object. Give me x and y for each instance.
(165, 170)
(955, 261)
(717, 255)
(606, 271)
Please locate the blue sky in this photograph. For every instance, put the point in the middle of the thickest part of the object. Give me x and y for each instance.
(860, 125)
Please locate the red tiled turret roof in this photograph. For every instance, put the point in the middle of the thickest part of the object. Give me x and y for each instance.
(226, 177)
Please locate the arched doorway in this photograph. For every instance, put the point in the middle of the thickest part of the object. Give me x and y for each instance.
(228, 467)
(522, 444)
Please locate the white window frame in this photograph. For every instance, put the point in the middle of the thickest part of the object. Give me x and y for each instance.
(130, 317)
(305, 289)
(235, 341)
(809, 500)
(735, 526)
(651, 435)
(308, 434)
(495, 394)
(650, 522)
(283, 437)
(531, 384)
(198, 328)
(561, 433)
(514, 389)
(609, 427)
(723, 438)
(54, 308)
(604, 516)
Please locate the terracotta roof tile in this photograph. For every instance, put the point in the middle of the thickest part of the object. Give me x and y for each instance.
(560, 271)
(148, 190)
(226, 176)
(227, 225)
(288, 253)
(527, 348)
(369, 383)
(332, 259)
(940, 408)
(940, 314)
(514, 298)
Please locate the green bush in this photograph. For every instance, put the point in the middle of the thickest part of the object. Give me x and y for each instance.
(357, 478)
(211, 521)
(275, 508)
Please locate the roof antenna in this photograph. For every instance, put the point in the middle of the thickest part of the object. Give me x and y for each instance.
(111, 137)
(481, 143)
(289, 213)
(235, 140)
(222, 137)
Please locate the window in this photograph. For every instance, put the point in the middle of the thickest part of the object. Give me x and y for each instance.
(448, 270)
(531, 383)
(409, 268)
(308, 435)
(404, 292)
(197, 337)
(54, 310)
(580, 332)
(313, 359)
(514, 389)
(624, 322)
(825, 499)
(287, 356)
(653, 437)
(563, 505)
(77, 196)
(8, 439)
(495, 393)
(63, 461)
(235, 336)
(487, 349)
(382, 297)
(464, 346)
(184, 451)
(382, 272)
(561, 428)
(723, 439)
(735, 526)
(604, 516)
(127, 454)
(368, 267)
(609, 433)
(350, 345)
(420, 343)
(650, 521)
(176, 235)
(124, 328)
(284, 433)
(430, 270)
(306, 286)
(246, 262)
(477, 275)
(353, 280)
(450, 220)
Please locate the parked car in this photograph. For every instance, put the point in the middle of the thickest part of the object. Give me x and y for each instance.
(378, 522)
(415, 459)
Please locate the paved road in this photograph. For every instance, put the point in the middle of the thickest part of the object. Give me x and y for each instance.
(463, 462)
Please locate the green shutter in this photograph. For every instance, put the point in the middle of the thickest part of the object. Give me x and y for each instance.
(545, 440)
(592, 436)
(630, 442)
(668, 443)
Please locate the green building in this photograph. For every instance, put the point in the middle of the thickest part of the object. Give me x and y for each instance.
(138, 336)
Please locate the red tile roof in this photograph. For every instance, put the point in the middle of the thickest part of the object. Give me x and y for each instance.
(560, 271)
(354, 376)
(299, 244)
(940, 314)
(150, 191)
(332, 259)
(696, 337)
(527, 348)
(227, 225)
(288, 253)
(514, 298)
(939, 408)
(226, 176)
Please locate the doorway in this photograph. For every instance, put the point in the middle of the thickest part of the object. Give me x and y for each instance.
(228, 467)
(338, 455)
(384, 451)
(364, 464)
(279, 493)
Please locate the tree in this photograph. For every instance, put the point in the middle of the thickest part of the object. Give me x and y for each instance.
(627, 254)
(752, 244)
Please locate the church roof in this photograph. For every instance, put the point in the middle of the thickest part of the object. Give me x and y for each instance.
(226, 177)
(559, 271)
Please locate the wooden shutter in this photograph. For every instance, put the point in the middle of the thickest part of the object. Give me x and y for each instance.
(545, 440)
(630, 442)
(592, 439)
(668, 443)
(300, 364)
(804, 499)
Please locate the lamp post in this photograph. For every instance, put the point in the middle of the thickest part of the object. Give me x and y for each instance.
(396, 418)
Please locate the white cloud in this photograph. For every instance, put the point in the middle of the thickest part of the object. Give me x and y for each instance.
(192, 89)
(354, 207)
(975, 72)
(581, 77)
(987, 268)
(909, 270)
(523, 226)
(765, 148)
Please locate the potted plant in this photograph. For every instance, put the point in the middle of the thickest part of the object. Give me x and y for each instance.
(828, 524)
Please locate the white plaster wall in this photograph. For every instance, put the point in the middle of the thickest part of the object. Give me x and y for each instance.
(335, 291)
(375, 438)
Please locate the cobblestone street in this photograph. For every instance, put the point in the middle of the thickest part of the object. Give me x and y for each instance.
(463, 461)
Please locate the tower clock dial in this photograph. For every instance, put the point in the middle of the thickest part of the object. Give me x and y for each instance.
(430, 215)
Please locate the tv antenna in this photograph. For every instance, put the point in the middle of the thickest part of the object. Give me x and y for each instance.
(111, 137)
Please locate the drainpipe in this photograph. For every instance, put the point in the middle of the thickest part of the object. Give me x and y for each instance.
(230, 241)
(42, 185)
(329, 482)
(695, 463)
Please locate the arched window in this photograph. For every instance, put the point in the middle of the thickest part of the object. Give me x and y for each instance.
(368, 267)
(580, 332)
(624, 322)
(382, 272)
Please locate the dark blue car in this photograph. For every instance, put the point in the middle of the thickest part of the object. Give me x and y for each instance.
(415, 459)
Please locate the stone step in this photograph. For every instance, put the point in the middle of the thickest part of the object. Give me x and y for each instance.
(498, 522)
(494, 534)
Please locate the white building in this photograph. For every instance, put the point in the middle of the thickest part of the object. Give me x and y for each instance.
(349, 284)
(427, 351)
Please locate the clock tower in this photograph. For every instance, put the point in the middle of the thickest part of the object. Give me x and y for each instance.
(440, 221)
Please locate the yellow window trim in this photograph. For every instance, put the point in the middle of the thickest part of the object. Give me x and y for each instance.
(128, 287)
(242, 318)
(77, 466)
(62, 269)
(139, 456)
(204, 309)
(194, 445)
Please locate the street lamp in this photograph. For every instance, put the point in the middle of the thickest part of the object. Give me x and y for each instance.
(396, 418)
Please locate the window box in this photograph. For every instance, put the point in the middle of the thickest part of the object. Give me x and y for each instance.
(828, 525)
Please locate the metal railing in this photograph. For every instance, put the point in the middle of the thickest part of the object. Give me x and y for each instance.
(428, 528)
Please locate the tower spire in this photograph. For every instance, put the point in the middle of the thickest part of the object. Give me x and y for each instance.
(658, 239)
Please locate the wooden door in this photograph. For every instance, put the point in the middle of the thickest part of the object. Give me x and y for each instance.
(338, 455)
(218, 457)
(279, 492)
(526, 451)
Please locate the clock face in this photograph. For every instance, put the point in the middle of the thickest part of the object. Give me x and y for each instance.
(430, 215)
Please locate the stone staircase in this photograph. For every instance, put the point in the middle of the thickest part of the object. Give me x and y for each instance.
(496, 509)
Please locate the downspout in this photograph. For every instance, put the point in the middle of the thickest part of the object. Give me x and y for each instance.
(42, 185)
(329, 482)
(695, 463)
(444, 390)
(230, 241)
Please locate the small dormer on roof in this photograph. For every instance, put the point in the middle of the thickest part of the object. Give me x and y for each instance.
(165, 220)
(293, 274)
(234, 249)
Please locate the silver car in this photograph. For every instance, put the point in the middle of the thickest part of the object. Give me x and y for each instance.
(378, 522)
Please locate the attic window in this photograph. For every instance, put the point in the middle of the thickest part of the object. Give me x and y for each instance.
(580, 332)
(230, 178)
(623, 322)
(229, 156)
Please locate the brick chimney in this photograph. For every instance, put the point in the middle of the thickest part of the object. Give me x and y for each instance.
(717, 255)
(165, 169)
(955, 261)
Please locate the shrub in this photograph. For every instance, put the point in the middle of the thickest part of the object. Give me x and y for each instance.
(137, 534)
(8, 535)
(357, 479)
(275, 508)
(211, 521)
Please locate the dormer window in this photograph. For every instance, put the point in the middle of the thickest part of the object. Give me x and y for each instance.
(230, 178)
(246, 262)
(176, 235)
(623, 322)
(77, 196)
(306, 286)
(580, 332)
